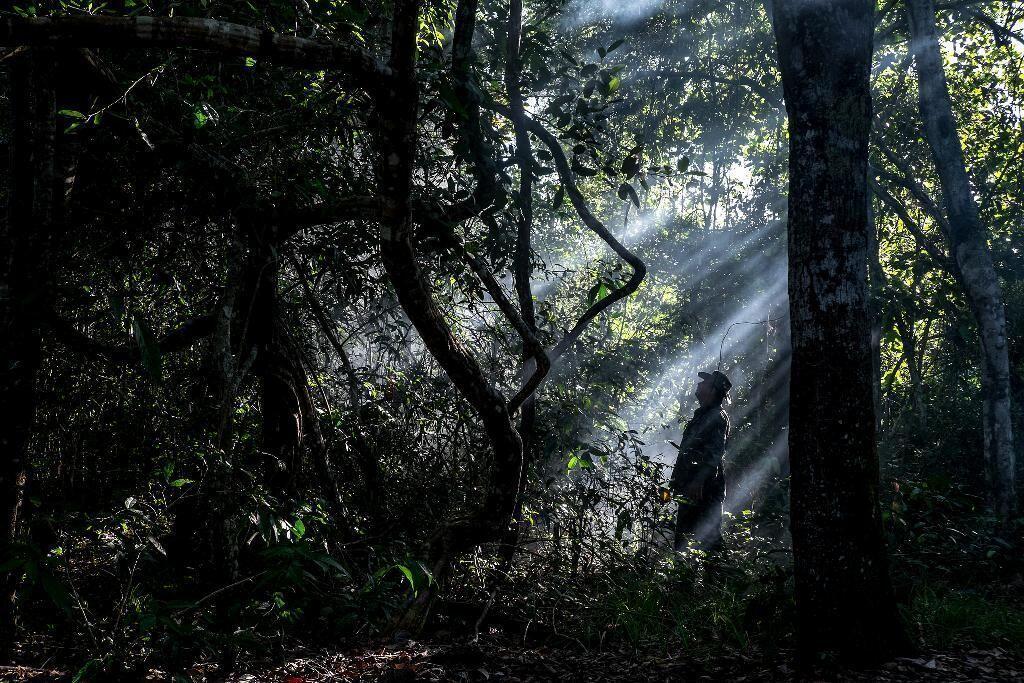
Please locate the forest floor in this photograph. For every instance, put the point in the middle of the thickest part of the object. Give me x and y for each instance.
(499, 660)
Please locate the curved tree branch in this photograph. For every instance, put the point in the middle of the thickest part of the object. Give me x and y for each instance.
(905, 179)
(524, 225)
(471, 124)
(596, 226)
(204, 34)
(178, 339)
(397, 109)
(487, 190)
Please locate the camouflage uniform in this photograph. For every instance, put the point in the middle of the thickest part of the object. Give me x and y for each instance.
(700, 460)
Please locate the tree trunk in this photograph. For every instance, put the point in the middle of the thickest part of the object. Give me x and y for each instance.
(968, 241)
(397, 109)
(876, 287)
(844, 599)
(905, 328)
(521, 267)
(290, 429)
(25, 281)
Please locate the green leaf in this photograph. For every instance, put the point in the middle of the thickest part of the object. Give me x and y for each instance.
(298, 528)
(71, 113)
(568, 57)
(556, 201)
(598, 292)
(683, 164)
(91, 668)
(250, 62)
(626, 191)
(630, 165)
(625, 519)
(117, 306)
(448, 96)
(55, 590)
(616, 44)
(178, 483)
(416, 574)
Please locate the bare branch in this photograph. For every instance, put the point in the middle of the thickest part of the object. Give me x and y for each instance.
(328, 330)
(1001, 32)
(178, 339)
(905, 179)
(901, 212)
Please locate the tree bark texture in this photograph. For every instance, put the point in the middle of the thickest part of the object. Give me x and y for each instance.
(289, 424)
(845, 602)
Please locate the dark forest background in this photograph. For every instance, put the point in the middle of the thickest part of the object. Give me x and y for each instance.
(309, 344)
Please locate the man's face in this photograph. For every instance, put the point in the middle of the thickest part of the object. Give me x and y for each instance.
(705, 393)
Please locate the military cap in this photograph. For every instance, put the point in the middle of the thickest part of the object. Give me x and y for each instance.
(718, 380)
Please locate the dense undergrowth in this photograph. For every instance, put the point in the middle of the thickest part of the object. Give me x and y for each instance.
(957, 577)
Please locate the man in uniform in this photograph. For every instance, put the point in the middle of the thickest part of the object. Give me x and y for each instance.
(697, 480)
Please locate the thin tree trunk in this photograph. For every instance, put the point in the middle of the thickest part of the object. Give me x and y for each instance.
(905, 328)
(845, 602)
(521, 266)
(968, 240)
(25, 281)
(397, 111)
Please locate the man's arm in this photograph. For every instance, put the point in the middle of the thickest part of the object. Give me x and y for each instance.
(706, 450)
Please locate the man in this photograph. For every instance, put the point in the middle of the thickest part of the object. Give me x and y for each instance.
(697, 479)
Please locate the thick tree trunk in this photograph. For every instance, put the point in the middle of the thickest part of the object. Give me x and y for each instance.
(844, 599)
(202, 540)
(257, 333)
(24, 286)
(969, 246)
(876, 287)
